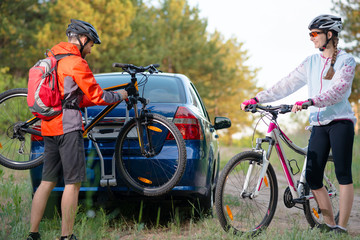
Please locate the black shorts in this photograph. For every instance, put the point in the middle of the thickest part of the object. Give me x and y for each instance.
(339, 136)
(64, 156)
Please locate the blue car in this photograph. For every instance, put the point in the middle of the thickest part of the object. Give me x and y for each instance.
(173, 96)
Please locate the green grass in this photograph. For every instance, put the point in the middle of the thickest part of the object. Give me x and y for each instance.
(143, 219)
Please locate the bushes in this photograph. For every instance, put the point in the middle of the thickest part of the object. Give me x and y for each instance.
(9, 81)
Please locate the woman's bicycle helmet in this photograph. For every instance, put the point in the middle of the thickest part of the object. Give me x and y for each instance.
(83, 28)
(326, 23)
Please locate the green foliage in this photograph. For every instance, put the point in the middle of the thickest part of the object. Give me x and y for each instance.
(170, 33)
(8, 81)
(19, 22)
(111, 18)
(175, 36)
(349, 10)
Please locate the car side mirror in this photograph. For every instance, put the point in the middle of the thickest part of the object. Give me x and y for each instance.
(222, 122)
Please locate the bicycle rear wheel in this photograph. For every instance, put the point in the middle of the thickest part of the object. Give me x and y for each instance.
(237, 210)
(18, 149)
(312, 211)
(161, 169)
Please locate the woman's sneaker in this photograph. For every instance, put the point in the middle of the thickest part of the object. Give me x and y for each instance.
(340, 230)
(323, 227)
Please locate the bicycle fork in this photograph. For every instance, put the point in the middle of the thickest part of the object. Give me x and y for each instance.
(265, 163)
(140, 132)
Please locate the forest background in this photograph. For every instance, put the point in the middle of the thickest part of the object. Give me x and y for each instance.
(169, 32)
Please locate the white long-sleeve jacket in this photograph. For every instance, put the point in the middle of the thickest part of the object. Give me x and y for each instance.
(330, 97)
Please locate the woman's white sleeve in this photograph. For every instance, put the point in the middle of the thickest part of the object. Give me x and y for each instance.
(341, 85)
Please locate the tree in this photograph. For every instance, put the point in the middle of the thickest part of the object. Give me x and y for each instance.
(349, 10)
(19, 20)
(111, 19)
(174, 35)
(134, 31)
(229, 82)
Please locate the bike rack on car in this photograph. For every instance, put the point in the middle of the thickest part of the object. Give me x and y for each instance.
(107, 180)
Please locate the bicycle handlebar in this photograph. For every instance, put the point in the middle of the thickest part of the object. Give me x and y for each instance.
(283, 108)
(130, 68)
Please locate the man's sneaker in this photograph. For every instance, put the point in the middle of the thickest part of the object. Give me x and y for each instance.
(33, 236)
(71, 237)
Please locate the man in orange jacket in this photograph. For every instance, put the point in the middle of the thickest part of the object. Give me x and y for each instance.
(64, 146)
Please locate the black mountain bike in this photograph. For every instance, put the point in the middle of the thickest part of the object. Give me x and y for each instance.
(141, 137)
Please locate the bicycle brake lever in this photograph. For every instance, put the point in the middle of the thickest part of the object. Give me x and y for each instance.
(251, 108)
(247, 108)
(129, 103)
(305, 105)
(144, 100)
(285, 109)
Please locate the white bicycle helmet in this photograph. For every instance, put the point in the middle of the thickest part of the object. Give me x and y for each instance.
(326, 22)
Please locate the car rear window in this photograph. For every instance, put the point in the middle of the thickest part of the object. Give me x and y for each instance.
(159, 88)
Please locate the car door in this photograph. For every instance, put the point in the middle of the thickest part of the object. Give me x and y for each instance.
(211, 144)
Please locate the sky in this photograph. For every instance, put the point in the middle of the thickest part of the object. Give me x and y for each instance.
(274, 33)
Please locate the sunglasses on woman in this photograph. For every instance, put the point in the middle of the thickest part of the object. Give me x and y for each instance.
(314, 34)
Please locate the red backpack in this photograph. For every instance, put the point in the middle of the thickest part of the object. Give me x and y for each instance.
(44, 97)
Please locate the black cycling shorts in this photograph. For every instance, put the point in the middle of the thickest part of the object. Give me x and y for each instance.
(64, 156)
(337, 136)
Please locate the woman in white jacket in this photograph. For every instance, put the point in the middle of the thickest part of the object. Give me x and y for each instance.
(329, 76)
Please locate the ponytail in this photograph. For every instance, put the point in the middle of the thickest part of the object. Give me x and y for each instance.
(330, 73)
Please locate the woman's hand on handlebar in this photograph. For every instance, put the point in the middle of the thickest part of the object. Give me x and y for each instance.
(247, 102)
(298, 106)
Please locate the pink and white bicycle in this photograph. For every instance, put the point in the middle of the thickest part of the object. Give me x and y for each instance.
(247, 190)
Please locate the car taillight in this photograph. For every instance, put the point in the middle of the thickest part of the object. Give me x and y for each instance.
(188, 124)
(36, 138)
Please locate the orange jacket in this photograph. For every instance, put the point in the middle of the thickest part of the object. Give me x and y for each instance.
(79, 88)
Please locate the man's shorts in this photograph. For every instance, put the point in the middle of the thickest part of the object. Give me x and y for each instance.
(64, 155)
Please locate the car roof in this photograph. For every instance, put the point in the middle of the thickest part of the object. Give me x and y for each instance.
(179, 75)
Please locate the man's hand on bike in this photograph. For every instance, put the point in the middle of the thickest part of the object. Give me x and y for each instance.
(298, 106)
(123, 93)
(247, 102)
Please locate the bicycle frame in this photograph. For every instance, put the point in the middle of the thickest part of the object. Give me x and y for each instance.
(108, 180)
(275, 137)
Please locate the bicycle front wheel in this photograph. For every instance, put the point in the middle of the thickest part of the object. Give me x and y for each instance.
(157, 170)
(18, 149)
(238, 210)
(312, 211)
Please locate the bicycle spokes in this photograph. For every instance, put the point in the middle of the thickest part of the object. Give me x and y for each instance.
(240, 209)
(149, 157)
